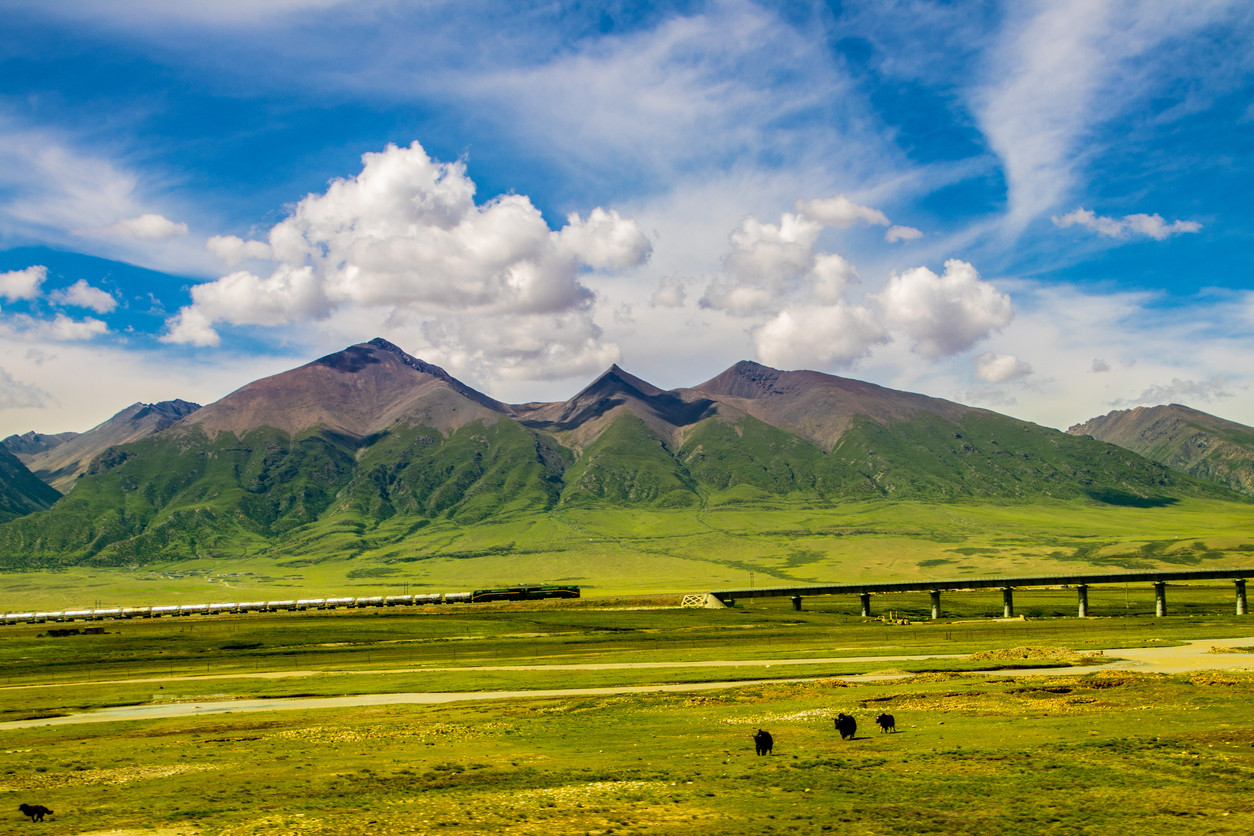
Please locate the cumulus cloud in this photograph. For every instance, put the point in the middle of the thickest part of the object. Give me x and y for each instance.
(22, 284)
(840, 212)
(670, 293)
(231, 249)
(82, 295)
(1148, 226)
(771, 266)
(406, 237)
(828, 334)
(17, 394)
(1000, 368)
(148, 227)
(605, 241)
(945, 314)
(902, 233)
(60, 328)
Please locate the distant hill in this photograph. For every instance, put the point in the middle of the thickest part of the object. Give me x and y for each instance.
(21, 492)
(60, 464)
(1183, 438)
(368, 445)
(30, 443)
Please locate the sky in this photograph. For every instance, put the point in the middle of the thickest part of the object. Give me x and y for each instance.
(1041, 208)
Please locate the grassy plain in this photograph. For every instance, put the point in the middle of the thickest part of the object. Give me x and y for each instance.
(1105, 753)
(623, 551)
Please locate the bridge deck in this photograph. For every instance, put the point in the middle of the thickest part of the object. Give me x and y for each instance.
(1079, 579)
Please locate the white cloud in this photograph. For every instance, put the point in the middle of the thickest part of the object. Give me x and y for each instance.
(1181, 391)
(770, 265)
(1000, 368)
(840, 212)
(82, 295)
(1061, 70)
(822, 335)
(148, 227)
(231, 249)
(944, 315)
(22, 284)
(60, 328)
(605, 241)
(1149, 226)
(670, 293)
(17, 394)
(70, 197)
(406, 237)
(902, 233)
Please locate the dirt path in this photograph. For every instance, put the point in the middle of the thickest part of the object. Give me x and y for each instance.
(1193, 656)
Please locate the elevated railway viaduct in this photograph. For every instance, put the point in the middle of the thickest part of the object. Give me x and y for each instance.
(1081, 582)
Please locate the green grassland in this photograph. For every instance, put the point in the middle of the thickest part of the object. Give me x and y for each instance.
(1099, 753)
(632, 551)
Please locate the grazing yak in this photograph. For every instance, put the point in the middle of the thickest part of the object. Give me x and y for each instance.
(763, 743)
(35, 811)
(887, 723)
(847, 726)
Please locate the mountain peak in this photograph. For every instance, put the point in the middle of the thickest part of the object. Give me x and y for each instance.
(358, 390)
(616, 379)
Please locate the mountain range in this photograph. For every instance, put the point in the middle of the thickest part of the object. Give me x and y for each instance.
(370, 443)
(1182, 438)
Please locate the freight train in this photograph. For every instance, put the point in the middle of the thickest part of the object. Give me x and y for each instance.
(518, 593)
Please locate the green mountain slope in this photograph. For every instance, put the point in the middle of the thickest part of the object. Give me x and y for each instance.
(361, 450)
(1186, 439)
(21, 492)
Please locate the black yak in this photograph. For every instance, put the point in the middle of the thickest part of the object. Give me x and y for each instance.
(887, 723)
(35, 811)
(847, 726)
(763, 743)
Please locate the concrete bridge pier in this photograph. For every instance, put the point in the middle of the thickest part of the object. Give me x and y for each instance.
(1241, 608)
(1160, 598)
(1008, 602)
(865, 598)
(1082, 608)
(796, 603)
(935, 593)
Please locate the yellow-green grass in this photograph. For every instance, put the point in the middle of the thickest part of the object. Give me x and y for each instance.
(44, 673)
(616, 552)
(1106, 753)
(1095, 754)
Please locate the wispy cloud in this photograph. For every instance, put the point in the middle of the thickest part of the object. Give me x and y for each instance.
(1062, 70)
(1147, 226)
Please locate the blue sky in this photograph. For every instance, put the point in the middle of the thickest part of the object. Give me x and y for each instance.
(1038, 207)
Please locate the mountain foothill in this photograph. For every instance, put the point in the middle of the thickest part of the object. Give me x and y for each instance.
(370, 441)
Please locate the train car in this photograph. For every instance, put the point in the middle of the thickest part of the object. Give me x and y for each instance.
(397, 600)
(523, 593)
(307, 603)
(335, 603)
(433, 598)
(457, 597)
(369, 601)
(19, 617)
(193, 609)
(169, 609)
(106, 612)
(137, 612)
(215, 609)
(251, 606)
